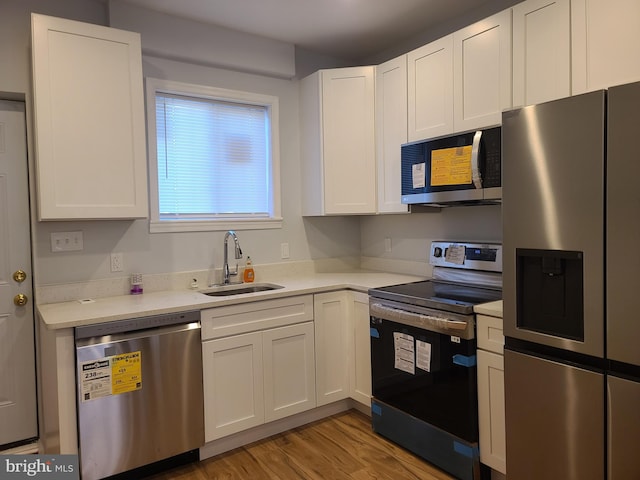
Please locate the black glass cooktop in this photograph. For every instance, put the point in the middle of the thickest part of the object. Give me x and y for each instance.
(445, 296)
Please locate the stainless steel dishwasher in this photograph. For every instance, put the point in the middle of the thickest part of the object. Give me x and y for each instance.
(140, 397)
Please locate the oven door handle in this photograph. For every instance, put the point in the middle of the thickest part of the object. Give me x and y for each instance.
(428, 322)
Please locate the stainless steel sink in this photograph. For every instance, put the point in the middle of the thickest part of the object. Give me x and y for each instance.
(239, 288)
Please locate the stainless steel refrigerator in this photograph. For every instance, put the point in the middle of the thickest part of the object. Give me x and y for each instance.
(571, 240)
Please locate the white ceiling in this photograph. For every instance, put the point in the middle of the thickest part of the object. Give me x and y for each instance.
(349, 29)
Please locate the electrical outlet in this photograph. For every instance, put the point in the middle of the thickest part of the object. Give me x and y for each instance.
(284, 250)
(387, 245)
(66, 241)
(117, 264)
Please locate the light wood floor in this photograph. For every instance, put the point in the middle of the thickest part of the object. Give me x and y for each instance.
(339, 447)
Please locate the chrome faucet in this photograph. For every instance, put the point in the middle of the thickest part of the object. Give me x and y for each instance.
(226, 273)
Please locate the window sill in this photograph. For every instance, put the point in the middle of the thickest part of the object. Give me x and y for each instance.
(166, 226)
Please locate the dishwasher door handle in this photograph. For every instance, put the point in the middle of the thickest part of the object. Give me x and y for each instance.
(126, 336)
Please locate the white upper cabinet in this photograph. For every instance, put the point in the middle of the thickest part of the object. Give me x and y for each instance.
(541, 51)
(391, 132)
(338, 142)
(482, 72)
(605, 37)
(89, 121)
(430, 90)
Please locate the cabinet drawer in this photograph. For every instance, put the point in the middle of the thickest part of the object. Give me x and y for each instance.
(490, 335)
(252, 316)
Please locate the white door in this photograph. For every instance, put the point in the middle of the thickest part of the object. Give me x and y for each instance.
(17, 358)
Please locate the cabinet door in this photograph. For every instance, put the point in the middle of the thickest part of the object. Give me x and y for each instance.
(89, 121)
(605, 37)
(360, 378)
(332, 330)
(491, 421)
(430, 90)
(541, 51)
(233, 384)
(348, 110)
(289, 370)
(391, 132)
(482, 72)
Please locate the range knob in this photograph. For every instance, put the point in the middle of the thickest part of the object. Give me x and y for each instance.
(437, 252)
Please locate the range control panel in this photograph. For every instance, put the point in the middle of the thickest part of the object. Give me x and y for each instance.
(472, 256)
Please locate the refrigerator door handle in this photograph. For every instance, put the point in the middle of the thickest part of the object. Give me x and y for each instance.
(476, 175)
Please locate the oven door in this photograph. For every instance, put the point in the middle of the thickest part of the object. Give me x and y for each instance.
(427, 374)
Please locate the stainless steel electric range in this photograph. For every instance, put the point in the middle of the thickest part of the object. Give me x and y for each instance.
(423, 356)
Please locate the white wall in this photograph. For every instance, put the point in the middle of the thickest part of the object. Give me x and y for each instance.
(411, 234)
(309, 238)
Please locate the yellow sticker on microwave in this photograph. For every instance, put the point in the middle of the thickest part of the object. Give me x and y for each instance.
(126, 372)
(451, 166)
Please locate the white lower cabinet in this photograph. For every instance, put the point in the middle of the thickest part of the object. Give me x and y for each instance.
(343, 358)
(360, 371)
(233, 384)
(491, 416)
(262, 375)
(332, 333)
(289, 370)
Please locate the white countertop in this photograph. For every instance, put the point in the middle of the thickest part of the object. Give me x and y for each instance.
(75, 314)
(493, 309)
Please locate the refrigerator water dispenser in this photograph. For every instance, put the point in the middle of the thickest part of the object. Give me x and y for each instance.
(549, 292)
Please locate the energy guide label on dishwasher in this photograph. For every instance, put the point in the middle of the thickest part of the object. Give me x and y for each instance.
(111, 375)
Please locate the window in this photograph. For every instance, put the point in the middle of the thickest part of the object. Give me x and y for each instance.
(213, 158)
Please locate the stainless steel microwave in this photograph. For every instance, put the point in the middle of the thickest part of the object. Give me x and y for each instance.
(457, 169)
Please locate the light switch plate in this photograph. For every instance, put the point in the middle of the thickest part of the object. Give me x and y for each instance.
(66, 241)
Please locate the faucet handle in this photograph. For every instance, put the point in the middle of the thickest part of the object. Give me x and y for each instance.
(235, 272)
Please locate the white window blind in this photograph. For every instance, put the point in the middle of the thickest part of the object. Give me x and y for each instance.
(213, 158)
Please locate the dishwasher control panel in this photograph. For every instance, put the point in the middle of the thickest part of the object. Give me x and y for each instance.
(132, 324)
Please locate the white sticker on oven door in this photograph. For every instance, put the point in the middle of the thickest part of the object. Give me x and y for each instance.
(404, 352)
(418, 175)
(423, 355)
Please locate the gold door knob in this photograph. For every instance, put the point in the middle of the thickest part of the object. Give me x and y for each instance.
(20, 300)
(19, 276)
